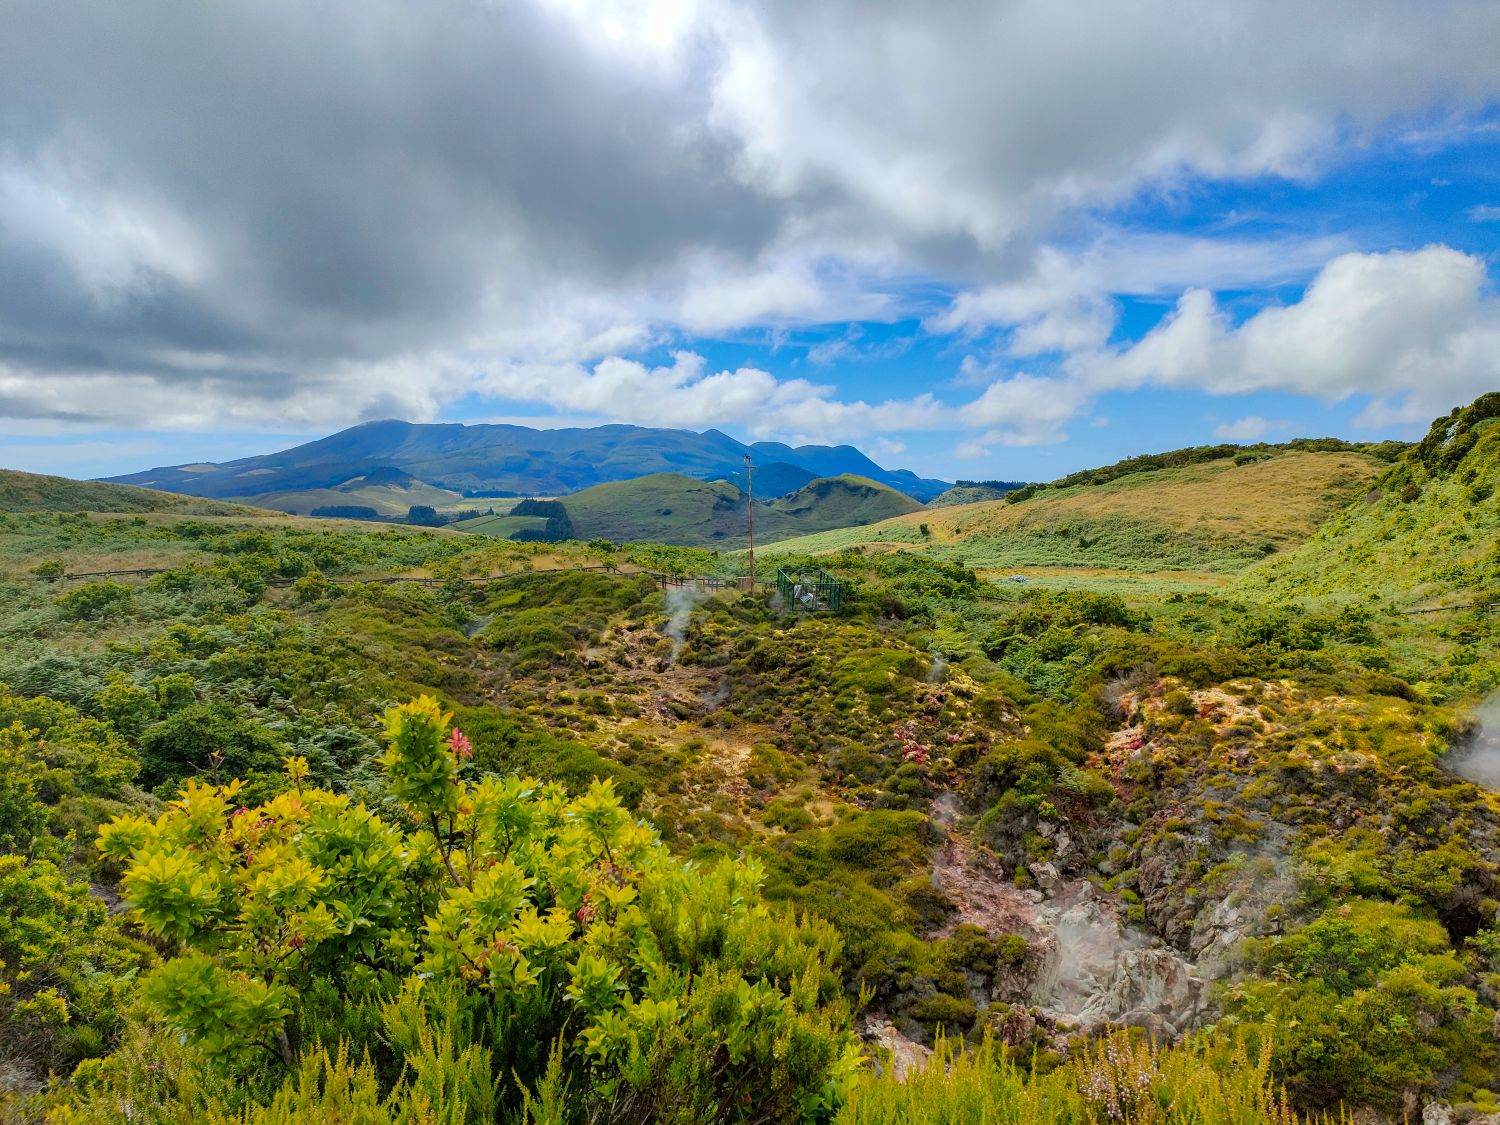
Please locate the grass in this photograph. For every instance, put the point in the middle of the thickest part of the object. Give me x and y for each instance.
(1149, 586)
(34, 492)
(387, 499)
(1114, 1080)
(1422, 538)
(500, 527)
(1217, 517)
(671, 508)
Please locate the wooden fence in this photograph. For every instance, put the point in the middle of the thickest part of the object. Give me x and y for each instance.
(708, 582)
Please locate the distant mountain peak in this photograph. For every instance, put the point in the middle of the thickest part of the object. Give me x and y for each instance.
(490, 457)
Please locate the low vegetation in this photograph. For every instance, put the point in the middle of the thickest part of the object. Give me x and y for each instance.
(1218, 515)
(282, 841)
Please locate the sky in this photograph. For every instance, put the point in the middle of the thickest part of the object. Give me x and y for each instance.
(1000, 240)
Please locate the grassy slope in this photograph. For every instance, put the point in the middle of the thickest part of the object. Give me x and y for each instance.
(387, 499)
(843, 502)
(663, 507)
(966, 494)
(670, 508)
(1427, 535)
(32, 492)
(1216, 516)
(501, 527)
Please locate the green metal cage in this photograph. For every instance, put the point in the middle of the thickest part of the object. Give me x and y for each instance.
(810, 589)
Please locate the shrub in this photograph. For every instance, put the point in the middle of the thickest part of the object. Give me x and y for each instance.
(507, 918)
(209, 740)
(65, 970)
(96, 601)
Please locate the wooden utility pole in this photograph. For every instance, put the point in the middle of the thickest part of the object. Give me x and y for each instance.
(750, 515)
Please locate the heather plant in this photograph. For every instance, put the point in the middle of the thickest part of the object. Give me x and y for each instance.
(1116, 1079)
(66, 972)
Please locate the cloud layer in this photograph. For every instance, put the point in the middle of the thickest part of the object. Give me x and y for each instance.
(243, 214)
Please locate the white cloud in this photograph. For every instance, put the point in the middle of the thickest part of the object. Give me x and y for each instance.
(1066, 302)
(1416, 331)
(685, 394)
(1024, 409)
(1250, 428)
(885, 447)
(1484, 213)
(522, 196)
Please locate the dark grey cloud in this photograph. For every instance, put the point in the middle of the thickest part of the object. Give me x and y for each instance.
(212, 213)
(351, 180)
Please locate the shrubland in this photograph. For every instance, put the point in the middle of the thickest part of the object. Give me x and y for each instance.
(280, 842)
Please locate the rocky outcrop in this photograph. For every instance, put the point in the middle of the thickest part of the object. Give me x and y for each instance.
(1095, 970)
(888, 1045)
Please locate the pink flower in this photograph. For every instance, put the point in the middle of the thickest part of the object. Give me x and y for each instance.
(460, 745)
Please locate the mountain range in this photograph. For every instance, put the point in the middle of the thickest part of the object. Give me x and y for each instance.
(507, 460)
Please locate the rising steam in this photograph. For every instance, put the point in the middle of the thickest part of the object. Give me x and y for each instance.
(1479, 759)
(681, 601)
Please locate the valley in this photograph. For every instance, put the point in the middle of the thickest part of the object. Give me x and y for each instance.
(1187, 791)
(721, 562)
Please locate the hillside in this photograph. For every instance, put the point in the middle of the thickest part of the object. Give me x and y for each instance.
(774, 479)
(1426, 533)
(1046, 820)
(514, 460)
(679, 510)
(1219, 515)
(500, 526)
(390, 492)
(33, 492)
(974, 492)
(844, 501)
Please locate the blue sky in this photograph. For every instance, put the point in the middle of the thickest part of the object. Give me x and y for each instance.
(1002, 240)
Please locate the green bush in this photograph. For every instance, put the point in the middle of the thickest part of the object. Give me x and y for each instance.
(208, 740)
(96, 601)
(507, 919)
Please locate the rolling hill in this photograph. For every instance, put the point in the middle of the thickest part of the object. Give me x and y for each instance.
(1427, 533)
(34, 492)
(1220, 515)
(498, 526)
(974, 491)
(843, 501)
(513, 460)
(775, 479)
(679, 510)
(390, 492)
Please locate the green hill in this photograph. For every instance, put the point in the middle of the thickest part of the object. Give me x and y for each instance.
(500, 527)
(519, 461)
(1215, 515)
(844, 501)
(660, 508)
(389, 491)
(1427, 532)
(34, 492)
(973, 492)
(682, 511)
